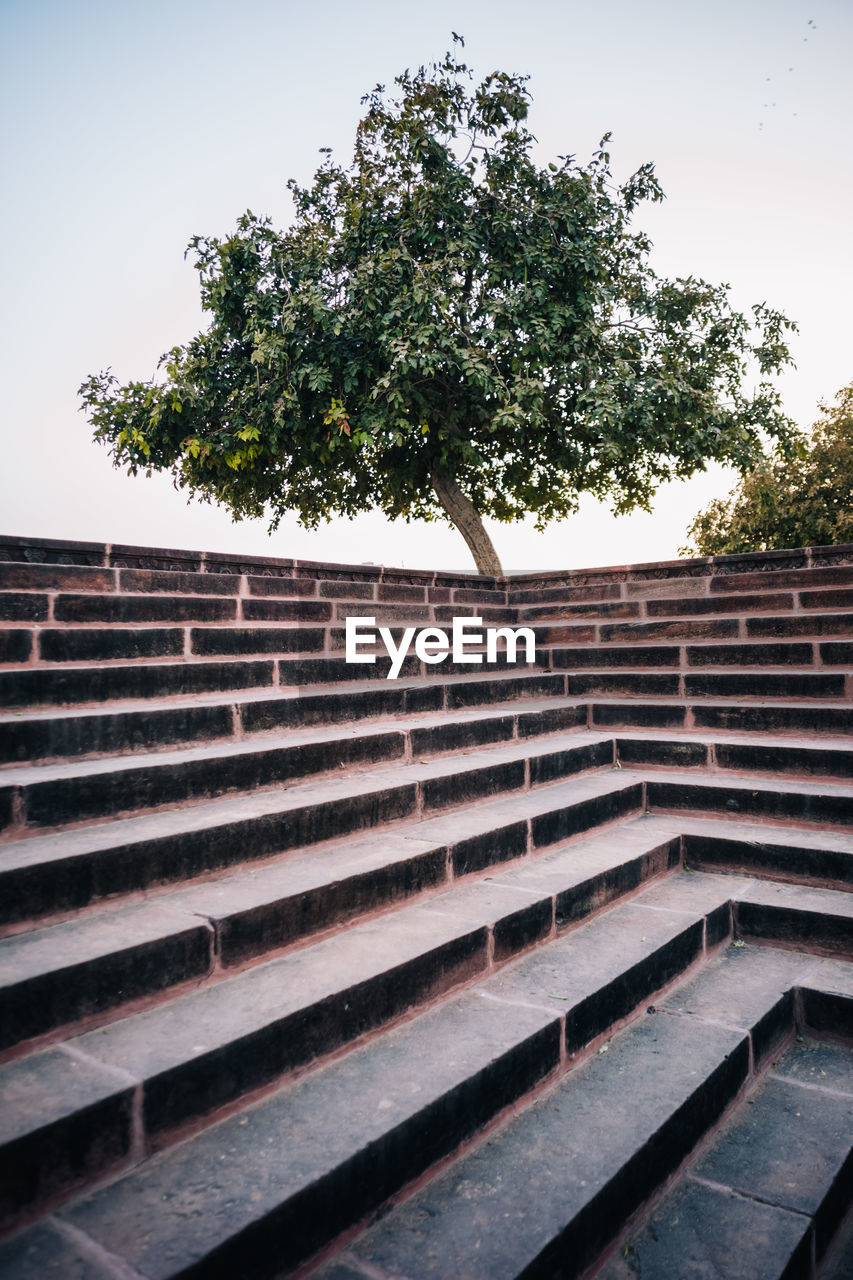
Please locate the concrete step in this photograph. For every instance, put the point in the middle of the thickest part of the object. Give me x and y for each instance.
(47, 874)
(116, 644)
(63, 974)
(82, 685)
(799, 758)
(804, 717)
(543, 1193)
(124, 727)
(823, 858)
(299, 672)
(109, 571)
(780, 800)
(93, 963)
(725, 575)
(143, 682)
(345, 987)
(754, 685)
(374, 964)
(556, 605)
(581, 984)
(54, 795)
(786, 625)
(43, 875)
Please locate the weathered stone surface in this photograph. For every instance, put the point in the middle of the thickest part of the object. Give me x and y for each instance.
(94, 644)
(361, 1127)
(54, 687)
(52, 976)
(789, 1146)
(100, 788)
(801, 801)
(813, 918)
(25, 738)
(16, 645)
(533, 861)
(46, 1251)
(827, 862)
(713, 1233)
(22, 606)
(144, 608)
(61, 1118)
(212, 641)
(206, 1048)
(546, 1193)
(603, 969)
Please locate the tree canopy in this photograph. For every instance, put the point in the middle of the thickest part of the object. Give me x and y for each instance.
(801, 501)
(448, 330)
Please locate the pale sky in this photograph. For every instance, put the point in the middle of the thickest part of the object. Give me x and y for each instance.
(129, 127)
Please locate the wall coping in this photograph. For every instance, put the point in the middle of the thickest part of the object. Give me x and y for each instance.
(119, 555)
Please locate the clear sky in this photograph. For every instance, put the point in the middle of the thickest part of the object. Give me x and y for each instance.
(128, 127)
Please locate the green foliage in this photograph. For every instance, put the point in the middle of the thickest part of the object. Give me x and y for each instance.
(801, 501)
(443, 305)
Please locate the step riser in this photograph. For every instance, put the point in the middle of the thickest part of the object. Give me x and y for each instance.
(53, 687)
(797, 865)
(346, 582)
(767, 806)
(232, 939)
(799, 762)
(687, 607)
(27, 645)
(742, 719)
(692, 656)
(110, 793)
(68, 1155)
(113, 733)
(819, 933)
(30, 892)
(734, 685)
(790, 627)
(49, 687)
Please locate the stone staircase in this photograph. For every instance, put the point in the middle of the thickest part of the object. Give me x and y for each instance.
(493, 970)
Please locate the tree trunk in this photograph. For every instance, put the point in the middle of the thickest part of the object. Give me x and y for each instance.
(464, 515)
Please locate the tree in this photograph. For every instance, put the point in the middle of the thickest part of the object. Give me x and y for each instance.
(800, 501)
(448, 331)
